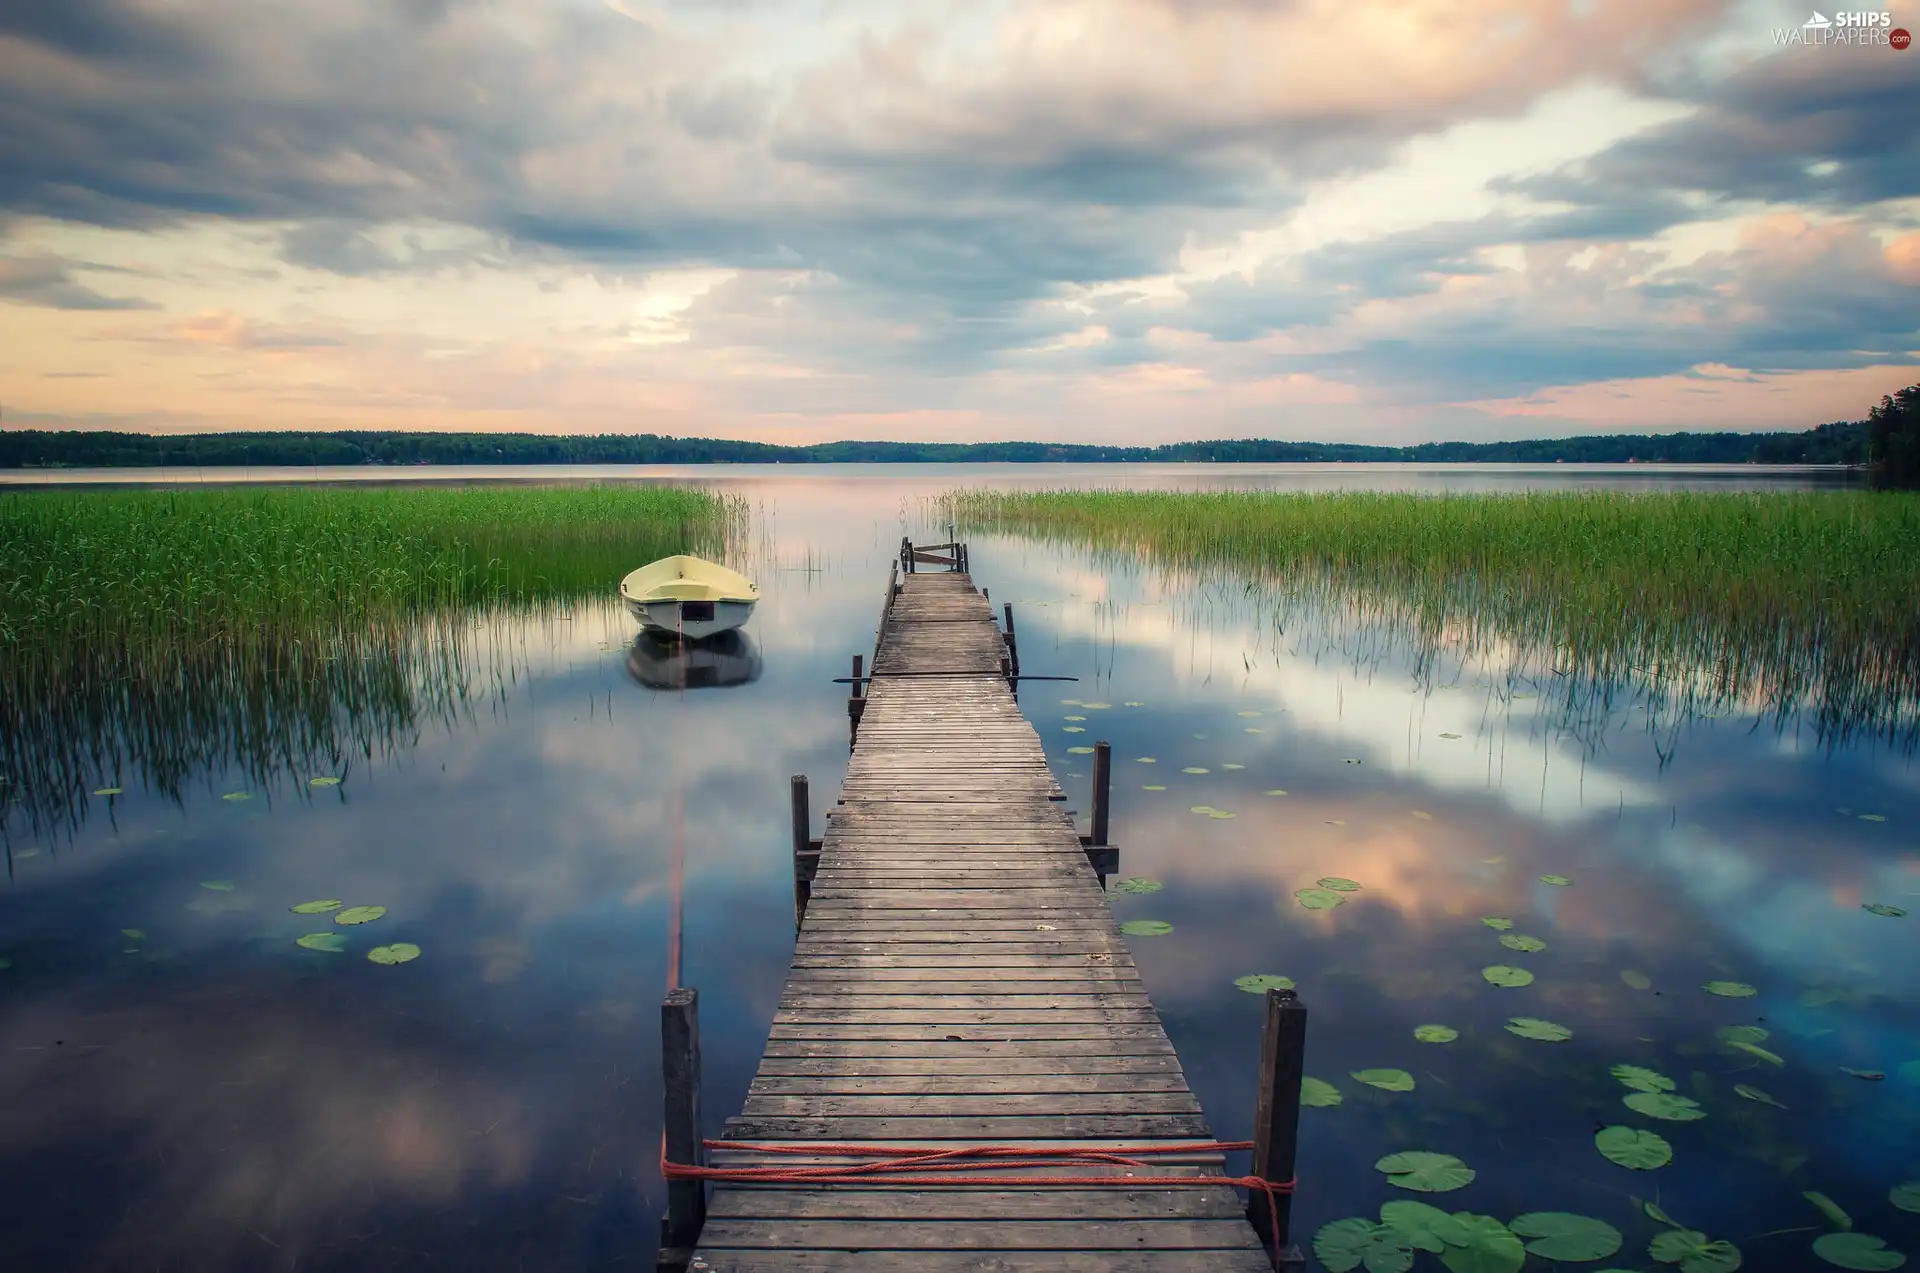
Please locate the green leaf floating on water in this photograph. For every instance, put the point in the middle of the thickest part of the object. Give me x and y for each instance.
(237, 796)
(1259, 983)
(1147, 760)
(1641, 1079)
(1633, 1148)
(1871, 1076)
(1423, 1227)
(1693, 1253)
(1665, 1105)
(1635, 979)
(1881, 908)
(359, 914)
(1743, 1033)
(333, 942)
(325, 780)
(1558, 881)
(1152, 786)
(1146, 928)
(1080, 751)
(1425, 1172)
(1730, 989)
(1386, 1080)
(1435, 1033)
(1560, 1235)
(1199, 808)
(1505, 975)
(1535, 1028)
(1319, 1093)
(317, 908)
(1273, 791)
(1756, 1051)
(1137, 884)
(1906, 1196)
(1345, 1245)
(109, 791)
(1073, 729)
(1829, 1208)
(1319, 899)
(400, 952)
(218, 886)
(1490, 1247)
(1495, 921)
(1449, 735)
(1194, 769)
(1755, 1094)
(1521, 942)
(1857, 1251)
(1221, 813)
(1339, 885)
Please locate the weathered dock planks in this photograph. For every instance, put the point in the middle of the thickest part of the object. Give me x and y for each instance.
(958, 978)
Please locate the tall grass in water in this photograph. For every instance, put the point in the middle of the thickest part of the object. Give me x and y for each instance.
(167, 633)
(1789, 602)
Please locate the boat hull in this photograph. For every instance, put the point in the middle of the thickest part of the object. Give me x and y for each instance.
(693, 620)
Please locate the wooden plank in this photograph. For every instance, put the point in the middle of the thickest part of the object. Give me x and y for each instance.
(986, 1260)
(1021, 1235)
(970, 1205)
(968, 1105)
(842, 1084)
(998, 1130)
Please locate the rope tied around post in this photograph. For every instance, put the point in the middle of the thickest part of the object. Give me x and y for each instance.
(919, 1166)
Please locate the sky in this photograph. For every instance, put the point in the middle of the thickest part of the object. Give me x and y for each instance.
(1135, 221)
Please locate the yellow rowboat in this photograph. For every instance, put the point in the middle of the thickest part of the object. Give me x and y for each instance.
(689, 597)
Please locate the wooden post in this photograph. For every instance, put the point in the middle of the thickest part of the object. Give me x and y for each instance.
(1276, 1120)
(1102, 789)
(1013, 642)
(858, 663)
(680, 1067)
(802, 849)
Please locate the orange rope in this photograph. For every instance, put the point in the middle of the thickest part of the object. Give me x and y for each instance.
(921, 1166)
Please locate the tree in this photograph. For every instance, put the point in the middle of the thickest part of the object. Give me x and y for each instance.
(1893, 438)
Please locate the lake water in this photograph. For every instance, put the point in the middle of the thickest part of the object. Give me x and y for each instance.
(183, 1087)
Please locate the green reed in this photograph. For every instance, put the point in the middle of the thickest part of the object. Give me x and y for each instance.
(1784, 602)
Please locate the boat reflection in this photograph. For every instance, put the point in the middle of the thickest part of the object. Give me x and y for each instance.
(665, 663)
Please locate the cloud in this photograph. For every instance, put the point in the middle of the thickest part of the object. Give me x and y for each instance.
(48, 281)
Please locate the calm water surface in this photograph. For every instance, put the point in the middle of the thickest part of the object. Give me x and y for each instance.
(184, 1087)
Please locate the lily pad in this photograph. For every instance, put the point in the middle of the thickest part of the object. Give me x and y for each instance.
(1560, 1235)
(1339, 885)
(325, 780)
(1857, 1251)
(399, 953)
(1730, 989)
(1073, 718)
(1435, 1033)
(1506, 975)
(1535, 1028)
(1194, 769)
(109, 791)
(1133, 704)
(1829, 1208)
(236, 797)
(333, 942)
(1873, 817)
(1073, 729)
(359, 914)
(1496, 922)
(1743, 1033)
(217, 886)
(1221, 814)
(1273, 791)
(317, 908)
(1319, 899)
(1138, 884)
(1319, 1093)
(1233, 766)
(1425, 1172)
(1423, 1227)
(1345, 1245)
(1146, 760)
(1755, 1094)
(1199, 808)
(1490, 1247)
(1153, 786)
(1755, 1051)
(1871, 1076)
(1258, 983)
(1693, 1253)
(1635, 979)
(1633, 1148)
(1881, 908)
(1641, 1079)
(1385, 1080)
(1906, 1196)
(1664, 1105)
(1446, 735)
(1146, 928)
(1558, 881)
(1079, 751)
(1522, 942)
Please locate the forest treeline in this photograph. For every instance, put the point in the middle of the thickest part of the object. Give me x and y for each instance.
(1889, 439)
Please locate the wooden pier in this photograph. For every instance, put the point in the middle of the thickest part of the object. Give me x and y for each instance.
(958, 979)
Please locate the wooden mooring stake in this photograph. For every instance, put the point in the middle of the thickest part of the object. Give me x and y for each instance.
(856, 703)
(806, 851)
(680, 1067)
(1276, 1122)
